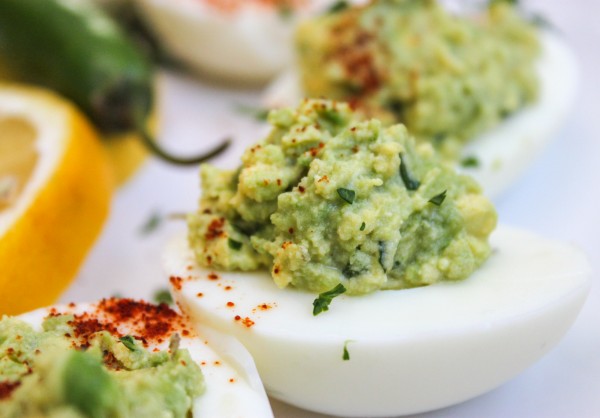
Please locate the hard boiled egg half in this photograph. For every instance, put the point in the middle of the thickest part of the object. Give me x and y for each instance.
(504, 153)
(394, 352)
(246, 41)
(233, 387)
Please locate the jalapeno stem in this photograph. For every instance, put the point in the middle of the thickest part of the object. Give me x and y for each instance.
(157, 150)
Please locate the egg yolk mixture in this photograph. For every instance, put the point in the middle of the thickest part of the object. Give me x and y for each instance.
(325, 199)
(82, 366)
(446, 77)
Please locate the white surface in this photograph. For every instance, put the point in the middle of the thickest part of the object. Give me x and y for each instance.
(558, 197)
(410, 350)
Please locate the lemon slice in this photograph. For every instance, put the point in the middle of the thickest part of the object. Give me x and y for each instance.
(55, 187)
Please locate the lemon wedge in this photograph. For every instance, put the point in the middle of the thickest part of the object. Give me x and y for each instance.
(55, 188)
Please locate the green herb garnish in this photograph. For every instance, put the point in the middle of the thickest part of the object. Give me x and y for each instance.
(350, 271)
(346, 355)
(162, 296)
(152, 224)
(321, 304)
(338, 6)
(258, 113)
(438, 199)
(363, 226)
(541, 22)
(347, 194)
(381, 246)
(286, 11)
(407, 178)
(511, 2)
(397, 107)
(174, 344)
(333, 116)
(128, 342)
(234, 245)
(470, 161)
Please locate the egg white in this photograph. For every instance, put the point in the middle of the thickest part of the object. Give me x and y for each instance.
(249, 45)
(410, 350)
(244, 398)
(505, 152)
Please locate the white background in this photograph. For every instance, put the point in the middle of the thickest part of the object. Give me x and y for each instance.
(558, 197)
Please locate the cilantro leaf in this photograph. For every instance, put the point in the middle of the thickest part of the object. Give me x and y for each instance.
(128, 342)
(338, 6)
(409, 181)
(257, 113)
(438, 199)
(321, 304)
(470, 161)
(234, 245)
(152, 224)
(346, 354)
(163, 296)
(347, 194)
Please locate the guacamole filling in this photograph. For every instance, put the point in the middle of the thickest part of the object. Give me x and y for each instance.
(446, 77)
(326, 200)
(76, 367)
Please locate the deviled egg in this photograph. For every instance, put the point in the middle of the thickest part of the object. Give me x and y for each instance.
(384, 293)
(241, 40)
(488, 92)
(123, 358)
(394, 352)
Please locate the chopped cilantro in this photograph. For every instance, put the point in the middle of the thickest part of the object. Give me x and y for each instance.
(511, 2)
(128, 342)
(152, 224)
(407, 178)
(162, 296)
(438, 199)
(363, 226)
(542, 22)
(346, 354)
(286, 11)
(382, 254)
(234, 245)
(258, 113)
(347, 194)
(338, 6)
(321, 304)
(350, 271)
(397, 107)
(174, 344)
(470, 161)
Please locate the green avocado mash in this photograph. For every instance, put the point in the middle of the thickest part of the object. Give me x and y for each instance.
(446, 77)
(325, 199)
(48, 373)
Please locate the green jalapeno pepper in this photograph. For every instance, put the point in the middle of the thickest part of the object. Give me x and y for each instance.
(75, 49)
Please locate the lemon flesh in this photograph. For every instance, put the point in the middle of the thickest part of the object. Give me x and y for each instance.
(55, 188)
(18, 158)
